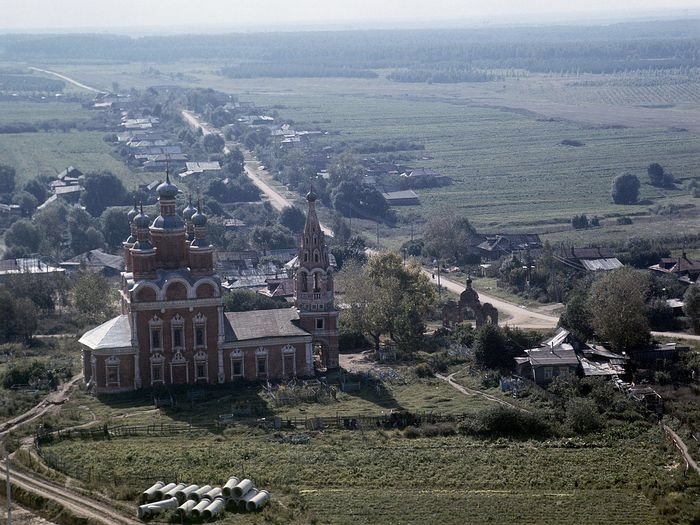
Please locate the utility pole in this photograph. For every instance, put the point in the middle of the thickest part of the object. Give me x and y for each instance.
(439, 285)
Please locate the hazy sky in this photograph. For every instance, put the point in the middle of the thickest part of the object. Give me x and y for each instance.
(67, 14)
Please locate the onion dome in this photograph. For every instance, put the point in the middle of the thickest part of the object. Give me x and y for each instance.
(167, 190)
(169, 222)
(142, 221)
(189, 211)
(311, 196)
(132, 213)
(199, 219)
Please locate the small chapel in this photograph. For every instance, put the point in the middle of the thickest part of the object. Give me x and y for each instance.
(173, 330)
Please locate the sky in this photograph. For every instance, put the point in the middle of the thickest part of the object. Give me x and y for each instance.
(63, 15)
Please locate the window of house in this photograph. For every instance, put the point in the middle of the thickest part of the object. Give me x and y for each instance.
(201, 371)
(113, 375)
(237, 367)
(563, 371)
(155, 338)
(548, 372)
(261, 366)
(319, 324)
(177, 337)
(157, 372)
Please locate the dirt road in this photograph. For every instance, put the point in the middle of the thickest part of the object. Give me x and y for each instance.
(68, 79)
(517, 315)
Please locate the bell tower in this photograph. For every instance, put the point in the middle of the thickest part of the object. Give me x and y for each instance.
(314, 290)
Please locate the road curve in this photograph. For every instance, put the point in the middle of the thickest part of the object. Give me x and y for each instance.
(518, 316)
(68, 79)
(76, 503)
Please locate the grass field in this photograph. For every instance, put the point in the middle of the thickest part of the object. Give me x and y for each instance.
(616, 477)
(32, 112)
(34, 154)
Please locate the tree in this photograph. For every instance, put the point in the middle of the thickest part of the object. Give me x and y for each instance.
(36, 188)
(293, 218)
(101, 191)
(576, 317)
(23, 234)
(115, 227)
(658, 177)
(27, 203)
(625, 189)
(691, 306)
(7, 178)
(246, 300)
(92, 297)
(616, 303)
(447, 235)
(213, 143)
(387, 297)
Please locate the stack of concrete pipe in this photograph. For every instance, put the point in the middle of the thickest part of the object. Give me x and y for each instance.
(202, 503)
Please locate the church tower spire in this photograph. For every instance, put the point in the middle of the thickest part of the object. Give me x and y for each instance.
(314, 289)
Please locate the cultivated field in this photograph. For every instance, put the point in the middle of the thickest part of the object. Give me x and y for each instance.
(499, 141)
(621, 476)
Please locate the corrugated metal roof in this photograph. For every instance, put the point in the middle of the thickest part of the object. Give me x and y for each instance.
(595, 265)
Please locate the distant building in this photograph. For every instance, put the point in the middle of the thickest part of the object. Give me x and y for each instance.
(13, 267)
(683, 268)
(401, 198)
(588, 259)
(96, 261)
(496, 245)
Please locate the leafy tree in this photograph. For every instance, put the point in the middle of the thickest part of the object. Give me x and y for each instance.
(234, 162)
(213, 143)
(36, 188)
(92, 297)
(18, 316)
(271, 238)
(23, 233)
(642, 253)
(101, 191)
(691, 306)
(353, 250)
(447, 236)
(27, 203)
(83, 235)
(495, 347)
(7, 178)
(582, 415)
(293, 218)
(625, 189)
(579, 222)
(115, 227)
(658, 177)
(386, 297)
(576, 317)
(352, 198)
(616, 302)
(52, 224)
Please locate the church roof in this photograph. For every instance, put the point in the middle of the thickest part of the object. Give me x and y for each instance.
(263, 324)
(115, 333)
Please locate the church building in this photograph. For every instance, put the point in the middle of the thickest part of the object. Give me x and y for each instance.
(173, 329)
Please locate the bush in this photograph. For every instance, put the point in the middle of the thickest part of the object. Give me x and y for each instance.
(506, 421)
(423, 370)
(582, 416)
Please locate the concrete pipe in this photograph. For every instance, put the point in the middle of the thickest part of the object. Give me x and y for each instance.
(231, 504)
(184, 494)
(149, 494)
(161, 493)
(197, 494)
(199, 507)
(185, 509)
(258, 501)
(213, 493)
(228, 487)
(170, 493)
(213, 509)
(243, 502)
(159, 506)
(242, 488)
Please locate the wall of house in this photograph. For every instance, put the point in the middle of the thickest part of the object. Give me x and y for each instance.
(543, 377)
(273, 353)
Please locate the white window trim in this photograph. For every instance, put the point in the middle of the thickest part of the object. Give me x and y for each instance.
(199, 321)
(200, 359)
(261, 353)
(237, 356)
(112, 362)
(155, 324)
(177, 323)
(286, 351)
(157, 361)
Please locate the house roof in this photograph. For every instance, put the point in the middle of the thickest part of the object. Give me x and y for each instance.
(263, 324)
(405, 194)
(559, 355)
(115, 333)
(594, 265)
(98, 258)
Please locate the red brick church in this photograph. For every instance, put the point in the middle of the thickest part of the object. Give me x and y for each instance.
(173, 329)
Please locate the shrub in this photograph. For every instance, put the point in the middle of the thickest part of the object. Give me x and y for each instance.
(506, 421)
(582, 416)
(423, 370)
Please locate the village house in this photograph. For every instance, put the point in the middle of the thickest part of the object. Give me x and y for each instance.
(173, 330)
(588, 259)
(686, 270)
